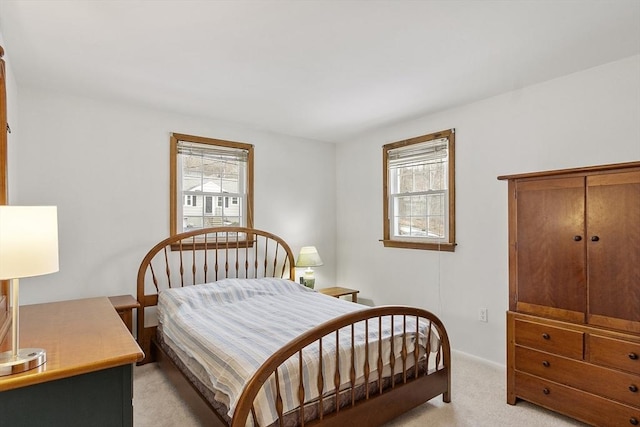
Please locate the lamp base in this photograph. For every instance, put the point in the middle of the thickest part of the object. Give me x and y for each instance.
(309, 279)
(26, 359)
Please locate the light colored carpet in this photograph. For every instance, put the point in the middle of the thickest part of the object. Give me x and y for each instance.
(478, 399)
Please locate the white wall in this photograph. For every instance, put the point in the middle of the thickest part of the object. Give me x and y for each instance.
(588, 118)
(106, 167)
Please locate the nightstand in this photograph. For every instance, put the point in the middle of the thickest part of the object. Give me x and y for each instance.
(337, 292)
(124, 305)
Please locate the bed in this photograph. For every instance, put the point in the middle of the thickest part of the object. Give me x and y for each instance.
(220, 309)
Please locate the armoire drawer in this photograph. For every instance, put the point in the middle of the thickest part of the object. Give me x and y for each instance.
(584, 406)
(565, 342)
(620, 386)
(614, 353)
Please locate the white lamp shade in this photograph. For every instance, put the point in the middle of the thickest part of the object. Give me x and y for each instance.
(309, 257)
(28, 241)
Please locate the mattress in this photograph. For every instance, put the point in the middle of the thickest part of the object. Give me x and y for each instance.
(223, 332)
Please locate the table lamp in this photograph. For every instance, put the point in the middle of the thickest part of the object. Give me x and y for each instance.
(309, 257)
(28, 247)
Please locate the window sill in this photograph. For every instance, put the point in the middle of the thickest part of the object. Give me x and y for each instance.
(444, 247)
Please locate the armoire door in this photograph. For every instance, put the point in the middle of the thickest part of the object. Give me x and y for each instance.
(550, 248)
(613, 250)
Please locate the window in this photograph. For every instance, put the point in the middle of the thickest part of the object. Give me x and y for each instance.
(419, 196)
(226, 202)
(205, 171)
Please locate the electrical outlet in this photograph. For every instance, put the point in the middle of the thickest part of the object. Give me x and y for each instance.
(483, 315)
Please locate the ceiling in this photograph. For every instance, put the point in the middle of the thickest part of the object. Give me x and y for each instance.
(324, 70)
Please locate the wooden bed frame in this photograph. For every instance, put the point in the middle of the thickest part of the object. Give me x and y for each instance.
(207, 255)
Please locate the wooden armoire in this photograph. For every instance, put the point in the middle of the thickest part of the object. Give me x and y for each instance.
(573, 325)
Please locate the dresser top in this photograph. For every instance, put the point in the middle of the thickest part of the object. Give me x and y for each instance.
(79, 336)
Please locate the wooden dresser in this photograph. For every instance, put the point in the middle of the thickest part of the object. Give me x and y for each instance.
(573, 326)
(88, 377)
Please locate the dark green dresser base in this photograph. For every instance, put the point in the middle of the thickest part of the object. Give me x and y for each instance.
(101, 398)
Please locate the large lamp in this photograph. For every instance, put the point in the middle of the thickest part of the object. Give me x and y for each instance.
(309, 258)
(28, 247)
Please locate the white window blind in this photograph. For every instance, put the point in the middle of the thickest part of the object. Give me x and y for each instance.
(212, 152)
(419, 154)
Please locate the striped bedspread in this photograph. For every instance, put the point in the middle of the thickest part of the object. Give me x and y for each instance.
(227, 329)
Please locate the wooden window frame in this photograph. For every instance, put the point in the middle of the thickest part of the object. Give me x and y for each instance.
(173, 172)
(414, 243)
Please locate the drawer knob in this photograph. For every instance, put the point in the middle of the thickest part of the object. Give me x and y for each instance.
(546, 390)
(633, 421)
(633, 356)
(595, 238)
(633, 388)
(546, 336)
(577, 238)
(545, 363)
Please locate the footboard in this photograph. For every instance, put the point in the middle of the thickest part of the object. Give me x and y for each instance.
(378, 386)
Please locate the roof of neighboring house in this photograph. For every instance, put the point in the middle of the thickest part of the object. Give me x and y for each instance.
(217, 186)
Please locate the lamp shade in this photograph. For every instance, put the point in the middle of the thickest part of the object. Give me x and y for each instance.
(309, 257)
(28, 241)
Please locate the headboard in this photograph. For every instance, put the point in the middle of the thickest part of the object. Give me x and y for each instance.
(204, 256)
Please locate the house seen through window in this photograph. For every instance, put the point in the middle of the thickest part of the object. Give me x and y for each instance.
(213, 179)
(419, 196)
